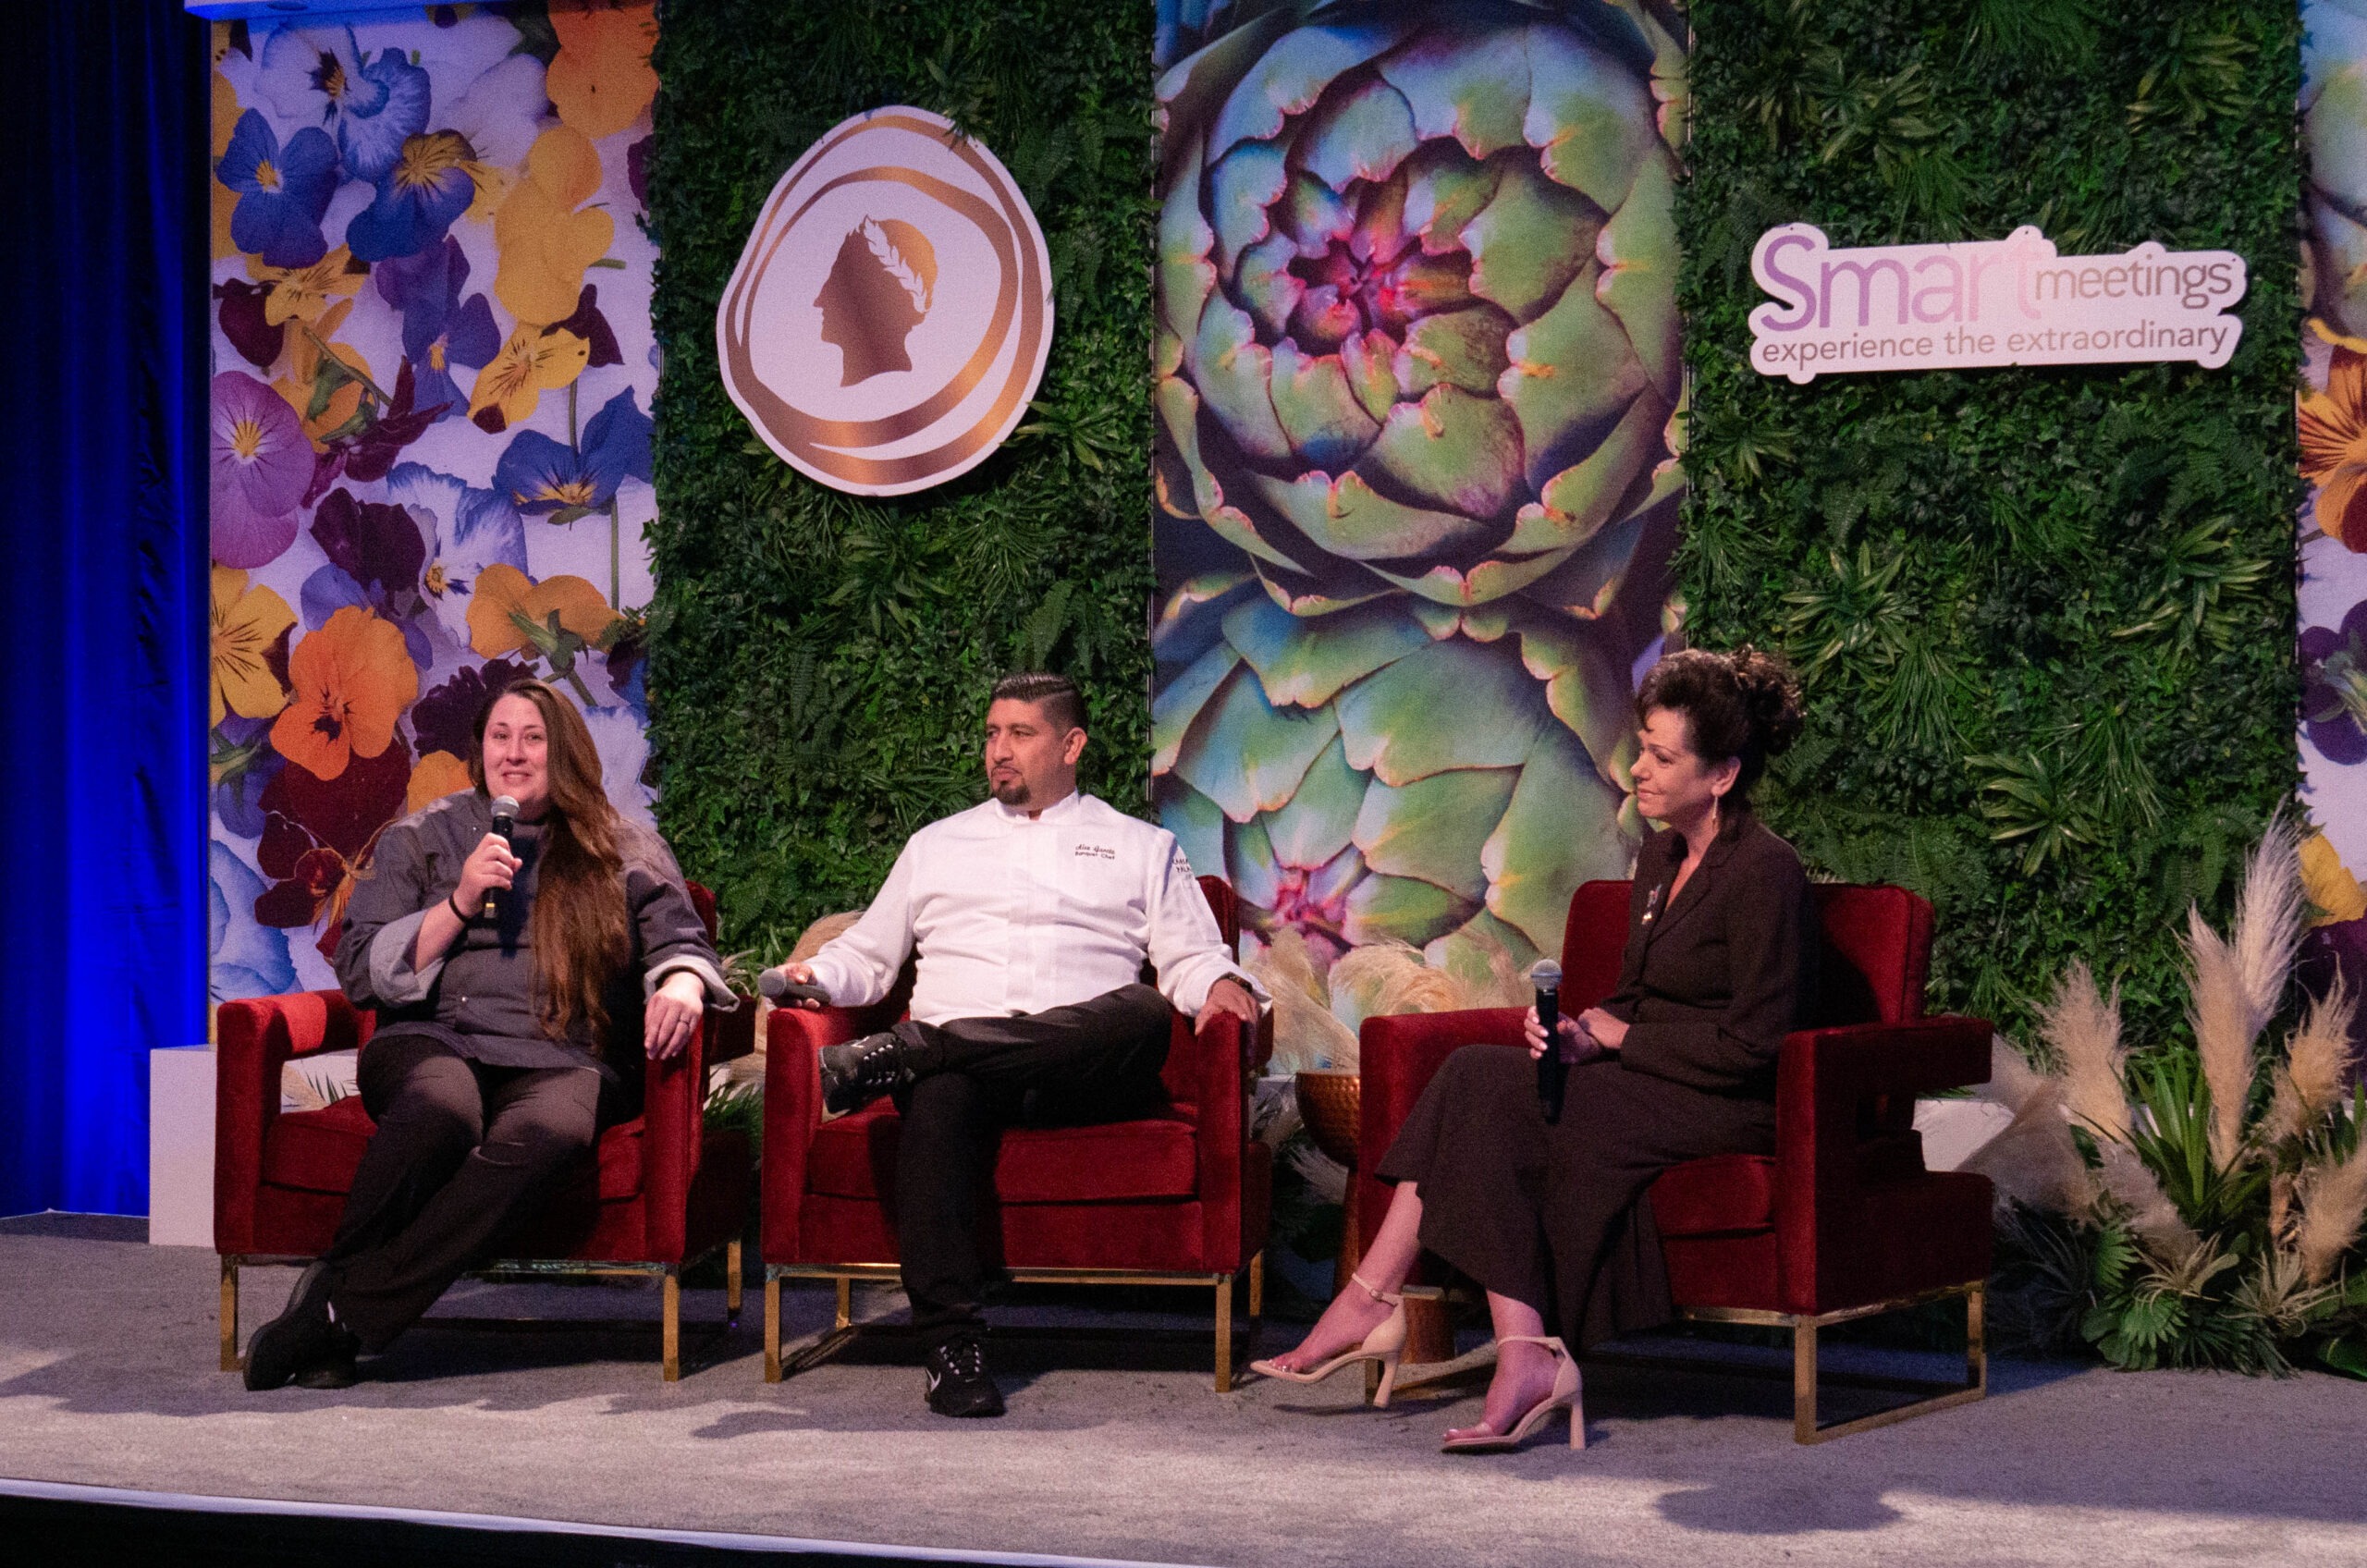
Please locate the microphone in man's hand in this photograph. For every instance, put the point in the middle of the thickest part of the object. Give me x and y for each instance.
(1552, 1072)
(505, 819)
(782, 991)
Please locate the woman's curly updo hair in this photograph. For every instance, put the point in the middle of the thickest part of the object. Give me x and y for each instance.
(1744, 704)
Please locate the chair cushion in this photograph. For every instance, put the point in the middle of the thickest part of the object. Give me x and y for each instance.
(854, 1157)
(1725, 1194)
(318, 1151)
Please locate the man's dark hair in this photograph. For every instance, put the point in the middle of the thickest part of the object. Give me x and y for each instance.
(1063, 703)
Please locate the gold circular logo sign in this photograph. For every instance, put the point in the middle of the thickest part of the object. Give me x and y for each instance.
(889, 319)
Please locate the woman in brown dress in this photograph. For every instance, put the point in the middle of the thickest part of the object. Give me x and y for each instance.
(1676, 1064)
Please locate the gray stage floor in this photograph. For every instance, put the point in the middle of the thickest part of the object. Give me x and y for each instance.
(107, 1378)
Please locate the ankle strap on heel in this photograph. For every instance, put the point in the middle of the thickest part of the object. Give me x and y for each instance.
(1386, 1298)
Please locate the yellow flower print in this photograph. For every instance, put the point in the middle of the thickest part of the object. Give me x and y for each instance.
(435, 775)
(303, 293)
(504, 596)
(534, 362)
(544, 242)
(248, 624)
(323, 414)
(601, 79)
(2329, 884)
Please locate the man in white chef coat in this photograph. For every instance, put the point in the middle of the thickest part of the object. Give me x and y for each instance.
(1034, 913)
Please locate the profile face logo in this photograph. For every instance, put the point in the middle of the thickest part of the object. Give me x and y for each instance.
(888, 323)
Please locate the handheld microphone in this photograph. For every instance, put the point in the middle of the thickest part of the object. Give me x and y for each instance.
(1552, 1072)
(505, 818)
(781, 990)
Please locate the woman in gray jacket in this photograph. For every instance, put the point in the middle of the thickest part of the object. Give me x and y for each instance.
(513, 979)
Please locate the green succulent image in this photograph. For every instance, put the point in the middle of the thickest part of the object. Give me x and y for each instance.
(1419, 395)
(2334, 126)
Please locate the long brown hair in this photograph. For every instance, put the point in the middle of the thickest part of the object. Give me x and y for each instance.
(579, 931)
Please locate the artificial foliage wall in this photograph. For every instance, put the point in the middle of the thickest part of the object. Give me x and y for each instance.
(2045, 617)
(819, 662)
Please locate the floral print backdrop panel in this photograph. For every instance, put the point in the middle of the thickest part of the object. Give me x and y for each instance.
(2333, 588)
(432, 376)
(1417, 383)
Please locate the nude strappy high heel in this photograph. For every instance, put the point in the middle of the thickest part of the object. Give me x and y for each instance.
(1565, 1396)
(1385, 1344)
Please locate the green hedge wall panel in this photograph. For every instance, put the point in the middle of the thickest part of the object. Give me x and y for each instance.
(819, 662)
(2045, 617)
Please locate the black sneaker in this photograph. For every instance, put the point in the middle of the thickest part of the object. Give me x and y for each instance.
(303, 1345)
(860, 1071)
(958, 1382)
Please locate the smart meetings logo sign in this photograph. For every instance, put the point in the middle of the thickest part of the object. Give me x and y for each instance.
(2010, 301)
(888, 322)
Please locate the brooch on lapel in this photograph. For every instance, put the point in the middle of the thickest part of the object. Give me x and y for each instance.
(1652, 904)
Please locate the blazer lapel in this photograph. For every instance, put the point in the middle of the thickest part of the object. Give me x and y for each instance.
(1696, 886)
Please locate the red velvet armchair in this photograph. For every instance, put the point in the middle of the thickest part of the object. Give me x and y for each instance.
(1842, 1221)
(661, 1193)
(1178, 1198)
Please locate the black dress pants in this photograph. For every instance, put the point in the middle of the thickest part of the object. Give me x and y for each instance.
(1558, 1217)
(463, 1153)
(1097, 1061)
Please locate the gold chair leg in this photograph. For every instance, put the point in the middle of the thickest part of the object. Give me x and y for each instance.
(673, 1329)
(731, 1284)
(1258, 1286)
(772, 1327)
(1804, 1382)
(1975, 1341)
(1976, 1380)
(230, 1362)
(846, 1301)
(1224, 1333)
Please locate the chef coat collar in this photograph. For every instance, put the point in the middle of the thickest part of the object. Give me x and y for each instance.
(1065, 807)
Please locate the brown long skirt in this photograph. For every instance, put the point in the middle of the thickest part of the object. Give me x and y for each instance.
(1557, 1217)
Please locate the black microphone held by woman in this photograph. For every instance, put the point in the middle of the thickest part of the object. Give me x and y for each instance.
(1552, 1068)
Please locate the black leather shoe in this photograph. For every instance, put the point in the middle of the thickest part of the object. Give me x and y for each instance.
(958, 1381)
(860, 1071)
(303, 1345)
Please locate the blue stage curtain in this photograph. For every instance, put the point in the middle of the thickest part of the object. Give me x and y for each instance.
(102, 822)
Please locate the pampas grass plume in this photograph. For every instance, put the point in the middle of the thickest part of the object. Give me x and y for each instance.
(2223, 1033)
(2334, 1202)
(2033, 1161)
(2267, 932)
(2310, 1083)
(1388, 977)
(2012, 1080)
(2083, 1026)
(2153, 1218)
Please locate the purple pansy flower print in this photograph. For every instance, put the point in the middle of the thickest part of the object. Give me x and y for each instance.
(319, 75)
(440, 329)
(376, 545)
(428, 186)
(282, 191)
(2334, 687)
(262, 461)
(246, 324)
(445, 719)
(543, 476)
(467, 530)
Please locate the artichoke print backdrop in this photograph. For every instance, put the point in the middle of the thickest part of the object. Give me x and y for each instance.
(2332, 594)
(432, 367)
(1417, 393)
